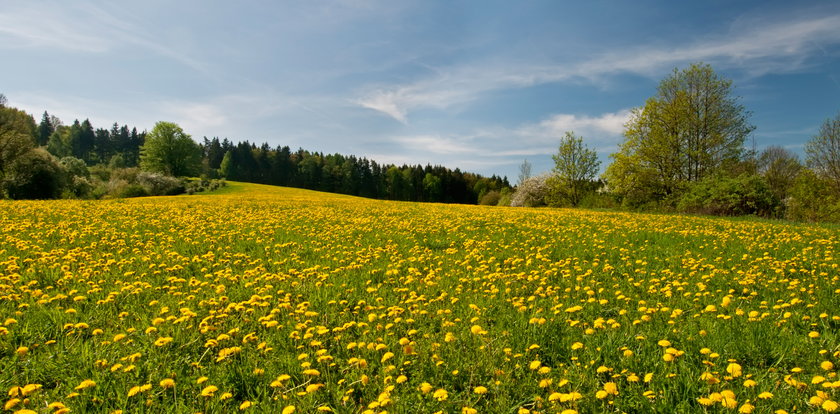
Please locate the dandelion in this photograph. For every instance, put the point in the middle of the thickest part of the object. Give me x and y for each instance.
(440, 394)
(85, 384)
(163, 341)
(209, 391)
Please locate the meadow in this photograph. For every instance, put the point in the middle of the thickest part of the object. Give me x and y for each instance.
(276, 300)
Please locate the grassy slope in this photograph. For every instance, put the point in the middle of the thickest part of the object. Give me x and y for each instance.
(461, 296)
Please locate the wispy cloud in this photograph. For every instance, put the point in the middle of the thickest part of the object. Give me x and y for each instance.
(28, 28)
(81, 27)
(767, 47)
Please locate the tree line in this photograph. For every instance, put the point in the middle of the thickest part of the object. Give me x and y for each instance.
(352, 175)
(52, 160)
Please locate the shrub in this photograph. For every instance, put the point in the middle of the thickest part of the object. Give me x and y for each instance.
(36, 175)
(812, 199)
(491, 198)
(159, 184)
(729, 196)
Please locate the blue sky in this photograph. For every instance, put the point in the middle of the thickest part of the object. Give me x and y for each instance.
(479, 85)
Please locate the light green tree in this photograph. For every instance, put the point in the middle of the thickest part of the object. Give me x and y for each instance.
(694, 127)
(575, 168)
(169, 150)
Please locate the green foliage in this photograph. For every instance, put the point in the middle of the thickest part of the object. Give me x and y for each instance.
(169, 150)
(824, 152)
(746, 194)
(198, 185)
(505, 195)
(813, 198)
(691, 129)
(58, 143)
(575, 167)
(77, 178)
(17, 139)
(36, 175)
(432, 186)
(491, 198)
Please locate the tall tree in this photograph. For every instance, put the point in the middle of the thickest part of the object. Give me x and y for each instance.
(45, 129)
(575, 167)
(169, 150)
(85, 142)
(824, 151)
(692, 128)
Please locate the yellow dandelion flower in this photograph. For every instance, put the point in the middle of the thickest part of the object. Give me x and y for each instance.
(209, 390)
(85, 384)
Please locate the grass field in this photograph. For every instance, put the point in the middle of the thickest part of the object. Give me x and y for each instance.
(267, 299)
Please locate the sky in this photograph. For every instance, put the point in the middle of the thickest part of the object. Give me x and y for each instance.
(477, 85)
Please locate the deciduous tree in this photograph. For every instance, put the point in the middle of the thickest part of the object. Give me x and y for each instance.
(694, 126)
(575, 167)
(169, 150)
(824, 151)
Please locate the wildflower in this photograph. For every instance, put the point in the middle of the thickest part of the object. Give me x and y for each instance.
(734, 370)
(209, 390)
(440, 394)
(85, 384)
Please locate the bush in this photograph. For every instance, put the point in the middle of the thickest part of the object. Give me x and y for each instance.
(504, 197)
(36, 175)
(203, 184)
(729, 196)
(158, 184)
(812, 199)
(491, 198)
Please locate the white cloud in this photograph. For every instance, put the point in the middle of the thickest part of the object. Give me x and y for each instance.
(608, 123)
(385, 102)
(766, 47)
(436, 144)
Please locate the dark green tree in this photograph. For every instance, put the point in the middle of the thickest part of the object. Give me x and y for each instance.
(45, 129)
